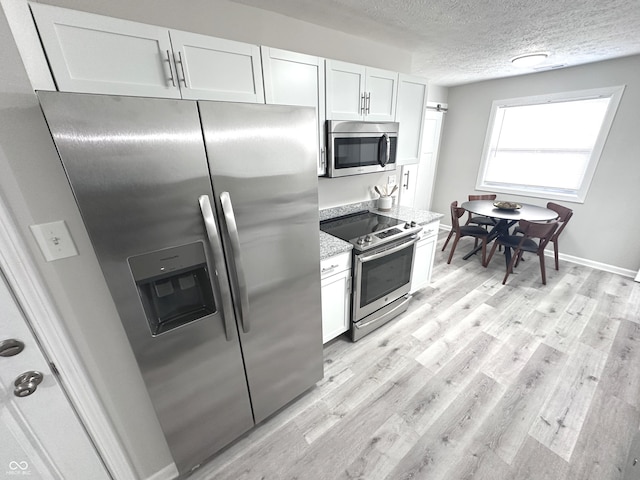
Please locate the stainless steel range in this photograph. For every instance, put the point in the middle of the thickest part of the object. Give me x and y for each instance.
(384, 249)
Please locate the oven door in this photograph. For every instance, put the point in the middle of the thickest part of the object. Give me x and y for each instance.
(382, 275)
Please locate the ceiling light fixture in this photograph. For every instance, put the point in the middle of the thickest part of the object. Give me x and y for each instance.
(530, 59)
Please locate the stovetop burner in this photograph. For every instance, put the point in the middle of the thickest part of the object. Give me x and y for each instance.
(366, 230)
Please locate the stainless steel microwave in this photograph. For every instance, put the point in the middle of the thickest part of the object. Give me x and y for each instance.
(360, 147)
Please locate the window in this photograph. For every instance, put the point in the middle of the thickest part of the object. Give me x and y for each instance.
(547, 146)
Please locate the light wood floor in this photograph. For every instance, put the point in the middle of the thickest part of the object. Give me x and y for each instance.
(476, 381)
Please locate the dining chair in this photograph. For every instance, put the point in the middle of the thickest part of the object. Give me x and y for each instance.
(458, 231)
(481, 219)
(564, 215)
(531, 231)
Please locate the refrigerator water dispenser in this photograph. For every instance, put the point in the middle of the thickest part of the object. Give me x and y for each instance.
(174, 286)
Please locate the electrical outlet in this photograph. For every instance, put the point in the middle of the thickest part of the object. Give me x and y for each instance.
(54, 240)
(391, 180)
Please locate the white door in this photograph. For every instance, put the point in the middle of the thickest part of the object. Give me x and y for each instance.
(335, 305)
(40, 434)
(345, 90)
(292, 78)
(408, 185)
(211, 68)
(97, 54)
(380, 99)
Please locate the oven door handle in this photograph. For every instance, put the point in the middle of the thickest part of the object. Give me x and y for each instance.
(232, 228)
(364, 258)
(221, 293)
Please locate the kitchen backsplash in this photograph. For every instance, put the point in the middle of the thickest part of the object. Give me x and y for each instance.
(333, 192)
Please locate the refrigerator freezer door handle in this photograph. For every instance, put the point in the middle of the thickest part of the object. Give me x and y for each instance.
(232, 228)
(221, 293)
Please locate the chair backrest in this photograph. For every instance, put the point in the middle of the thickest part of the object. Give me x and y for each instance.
(564, 214)
(482, 197)
(542, 231)
(456, 213)
(491, 196)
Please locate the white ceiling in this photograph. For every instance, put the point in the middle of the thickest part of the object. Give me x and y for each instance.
(462, 41)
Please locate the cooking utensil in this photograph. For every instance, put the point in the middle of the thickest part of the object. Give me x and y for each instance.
(375, 187)
(395, 187)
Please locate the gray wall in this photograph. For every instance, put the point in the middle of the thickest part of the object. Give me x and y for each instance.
(33, 184)
(604, 228)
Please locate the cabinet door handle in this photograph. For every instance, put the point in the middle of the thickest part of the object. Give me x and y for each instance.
(406, 185)
(184, 77)
(368, 101)
(362, 104)
(173, 80)
(328, 269)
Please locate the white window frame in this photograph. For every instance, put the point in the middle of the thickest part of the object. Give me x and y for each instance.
(615, 93)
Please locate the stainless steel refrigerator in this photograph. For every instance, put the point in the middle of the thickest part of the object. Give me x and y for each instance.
(204, 218)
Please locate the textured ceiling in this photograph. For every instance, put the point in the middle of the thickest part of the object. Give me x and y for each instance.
(462, 41)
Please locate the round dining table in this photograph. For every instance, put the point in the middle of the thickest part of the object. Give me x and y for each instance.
(505, 218)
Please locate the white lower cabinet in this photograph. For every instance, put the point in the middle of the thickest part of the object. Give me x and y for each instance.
(424, 256)
(336, 295)
(408, 185)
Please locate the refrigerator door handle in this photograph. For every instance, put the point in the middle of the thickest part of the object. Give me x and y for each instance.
(221, 293)
(230, 219)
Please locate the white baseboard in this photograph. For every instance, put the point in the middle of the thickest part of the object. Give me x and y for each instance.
(583, 261)
(593, 264)
(169, 472)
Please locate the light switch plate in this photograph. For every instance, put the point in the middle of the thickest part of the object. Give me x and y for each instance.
(391, 180)
(54, 240)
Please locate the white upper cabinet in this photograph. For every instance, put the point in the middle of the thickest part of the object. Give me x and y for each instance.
(345, 90)
(355, 92)
(380, 98)
(296, 79)
(97, 54)
(211, 68)
(412, 100)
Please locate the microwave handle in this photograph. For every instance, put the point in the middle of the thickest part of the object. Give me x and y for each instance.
(384, 150)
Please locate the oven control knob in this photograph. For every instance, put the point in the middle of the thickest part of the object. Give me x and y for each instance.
(368, 238)
(413, 224)
(360, 241)
(407, 225)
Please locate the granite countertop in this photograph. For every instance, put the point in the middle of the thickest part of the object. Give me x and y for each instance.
(330, 245)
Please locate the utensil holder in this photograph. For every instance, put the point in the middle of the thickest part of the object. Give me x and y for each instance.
(385, 203)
